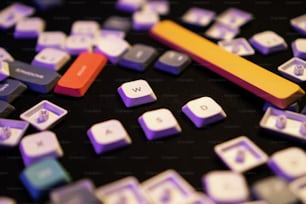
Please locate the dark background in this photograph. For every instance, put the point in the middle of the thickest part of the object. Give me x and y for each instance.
(191, 153)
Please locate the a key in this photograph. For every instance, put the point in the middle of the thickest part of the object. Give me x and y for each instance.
(226, 187)
(299, 48)
(108, 135)
(138, 57)
(11, 132)
(144, 20)
(51, 39)
(160, 7)
(43, 176)
(234, 17)
(29, 27)
(288, 163)
(7, 200)
(293, 69)
(198, 17)
(38, 146)
(220, 31)
(158, 124)
(76, 44)
(11, 89)
(37, 79)
(167, 187)
(238, 46)
(4, 70)
(203, 111)
(105, 33)
(129, 5)
(5, 56)
(117, 23)
(234, 68)
(240, 154)
(5, 109)
(85, 28)
(136, 93)
(268, 42)
(173, 62)
(81, 74)
(298, 188)
(298, 24)
(51, 58)
(273, 190)
(123, 191)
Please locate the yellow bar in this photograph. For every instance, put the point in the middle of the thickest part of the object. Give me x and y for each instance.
(259, 81)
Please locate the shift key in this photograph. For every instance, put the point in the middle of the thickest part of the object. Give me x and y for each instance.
(81, 74)
(37, 79)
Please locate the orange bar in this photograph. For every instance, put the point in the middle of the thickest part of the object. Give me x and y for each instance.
(81, 74)
(259, 81)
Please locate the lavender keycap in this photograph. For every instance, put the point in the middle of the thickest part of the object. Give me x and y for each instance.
(299, 48)
(198, 17)
(85, 28)
(104, 33)
(160, 7)
(138, 57)
(238, 46)
(129, 5)
(5, 109)
(5, 56)
(144, 20)
(51, 39)
(117, 23)
(76, 44)
(294, 69)
(220, 31)
(234, 17)
(29, 27)
(299, 24)
(37, 79)
(11, 89)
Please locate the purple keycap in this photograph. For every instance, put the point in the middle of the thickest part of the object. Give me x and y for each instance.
(299, 24)
(11, 89)
(51, 39)
(299, 48)
(234, 17)
(129, 5)
(29, 27)
(294, 69)
(5, 109)
(160, 7)
(76, 44)
(198, 17)
(144, 20)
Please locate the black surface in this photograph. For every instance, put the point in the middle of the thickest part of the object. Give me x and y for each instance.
(191, 153)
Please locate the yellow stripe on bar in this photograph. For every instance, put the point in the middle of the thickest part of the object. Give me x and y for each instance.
(259, 81)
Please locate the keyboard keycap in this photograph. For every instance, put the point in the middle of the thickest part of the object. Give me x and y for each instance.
(136, 93)
(226, 187)
(240, 154)
(37, 79)
(220, 31)
(4, 70)
(167, 187)
(160, 7)
(5, 109)
(129, 5)
(51, 39)
(117, 23)
(7, 200)
(289, 163)
(273, 190)
(294, 69)
(105, 33)
(51, 58)
(126, 190)
(234, 17)
(85, 28)
(11, 132)
(299, 48)
(43, 176)
(299, 24)
(144, 20)
(158, 124)
(238, 46)
(138, 57)
(38, 146)
(11, 89)
(108, 135)
(198, 17)
(298, 188)
(173, 62)
(76, 44)
(268, 42)
(81, 74)
(203, 111)
(5, 56)
(234, 68)
(29, 27)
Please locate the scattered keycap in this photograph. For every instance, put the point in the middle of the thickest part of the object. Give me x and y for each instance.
(129, 5)
(77, 44)
(234, 17)
(43, 176)
(136, 93)
(299, 48)
(144, 20)
(299, 24)
(198, 17)
(11, 89)
(29, 27)
(108, 135)
(105, 33)
(44, 115)
(220, 31)
(117, 23)
(294, 69)
(85, 28)
(203, 111)
(238, 46)
(268, 42)
(5, 109)
(5, 56)
(241, 154)
(51, 39)
(160, 7)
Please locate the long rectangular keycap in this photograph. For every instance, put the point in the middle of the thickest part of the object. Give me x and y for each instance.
(240, 71)
(81, 74)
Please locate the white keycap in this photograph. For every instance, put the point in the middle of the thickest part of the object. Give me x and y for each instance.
(226, 187)
(112, 48)
(51, 58)
(294, 69)
(136, 93)
(289, 163)
(240, 154)
(144, 20)
(203, 111)
(160, 7)
(167, 187)
(11, 132)
(198, 16)
(238, 46)
(299, 48)
(40, 145)
(158, 124)
(51, 39)
(4, 70)
(268, 42)
(13, 13)
(219, 31)
(126, 190)
(108, 135)
(76, 44)
(104, 33)
(5, 56)
(234, 17)
(299, 24)
(29, 27)
(129, 5)
(298, 187)
(88, 28)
